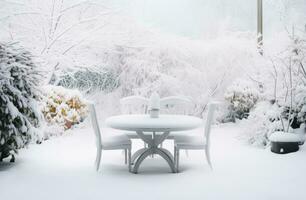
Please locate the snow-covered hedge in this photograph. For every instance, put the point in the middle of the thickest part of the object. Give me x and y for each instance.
(63, 107)
(19, 117)
(89, 79)
(242, 95)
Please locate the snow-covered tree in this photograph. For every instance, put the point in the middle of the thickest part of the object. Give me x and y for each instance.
(54, 30)
(19, 115)
(285, 109)
(293, 61)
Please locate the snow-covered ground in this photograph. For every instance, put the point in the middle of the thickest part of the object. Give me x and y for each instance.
(62, 168)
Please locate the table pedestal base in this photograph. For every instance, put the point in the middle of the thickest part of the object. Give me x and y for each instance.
(153, 143)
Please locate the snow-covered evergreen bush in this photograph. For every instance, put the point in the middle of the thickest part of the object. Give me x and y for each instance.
(242, 95)
(263, 120)
(63, 108)
(19, 116)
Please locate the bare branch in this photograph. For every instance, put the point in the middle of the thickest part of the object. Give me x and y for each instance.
(82, 40)
(59, 17)
(20, 14)
(51, 19)
(65, 31)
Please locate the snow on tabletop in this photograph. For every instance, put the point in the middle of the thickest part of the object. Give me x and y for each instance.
(280, 136)
(173, 122)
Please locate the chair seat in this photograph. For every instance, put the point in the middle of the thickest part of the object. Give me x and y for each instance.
(182, 134)
(131, 135)
(115, 141)
(176, 135)
(134, 135)
(189, 142)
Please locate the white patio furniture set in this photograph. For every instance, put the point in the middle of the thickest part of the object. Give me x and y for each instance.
(153, 129)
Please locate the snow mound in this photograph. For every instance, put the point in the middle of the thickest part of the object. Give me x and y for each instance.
(281, 136)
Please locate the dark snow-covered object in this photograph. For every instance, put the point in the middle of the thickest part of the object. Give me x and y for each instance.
(19, 117)
(282, 142)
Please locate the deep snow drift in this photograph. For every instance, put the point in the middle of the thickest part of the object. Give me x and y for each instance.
(63, 168)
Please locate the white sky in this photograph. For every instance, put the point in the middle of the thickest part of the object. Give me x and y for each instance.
(198, 18)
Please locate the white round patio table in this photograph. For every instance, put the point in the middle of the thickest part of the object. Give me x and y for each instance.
(147, 127)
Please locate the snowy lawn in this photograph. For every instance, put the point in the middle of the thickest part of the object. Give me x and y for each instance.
(63, 168)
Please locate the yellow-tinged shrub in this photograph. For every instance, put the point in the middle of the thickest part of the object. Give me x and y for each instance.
(63, 106)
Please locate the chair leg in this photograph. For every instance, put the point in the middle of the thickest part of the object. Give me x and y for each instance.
(186, 152)
(98, 158)
(125, 156)
(130, 160)
(177, 160)
(208, 157)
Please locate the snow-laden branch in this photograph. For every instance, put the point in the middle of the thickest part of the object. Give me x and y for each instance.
(83, 39)
(65, 31)
(20, 14)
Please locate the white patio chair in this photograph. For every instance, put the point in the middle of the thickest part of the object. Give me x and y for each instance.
(195, 142)
(134, 105)
(116, 142)
(175, 105)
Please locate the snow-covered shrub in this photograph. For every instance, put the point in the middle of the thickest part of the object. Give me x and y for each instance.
(298, 111)
(90, 79)
(63, 107)
(19, 117)
(300, 105)
(291, 63)
(284, 81)
(263, 120)
(242, 95)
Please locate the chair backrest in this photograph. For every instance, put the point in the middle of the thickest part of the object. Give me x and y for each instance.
(95, 124)
(209, 119)
(175, 104)
(134, 104)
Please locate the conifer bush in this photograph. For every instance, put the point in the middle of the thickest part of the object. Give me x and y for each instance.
(19, 116)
